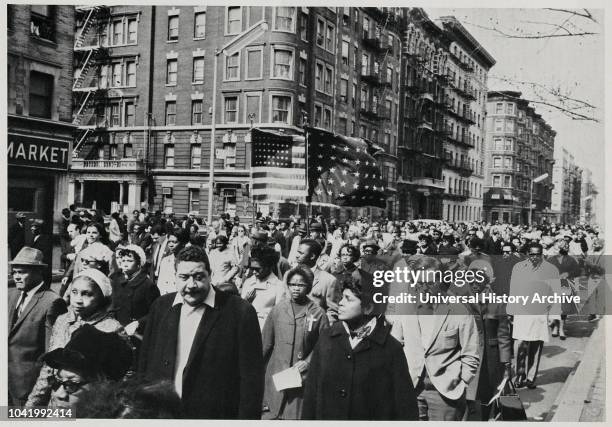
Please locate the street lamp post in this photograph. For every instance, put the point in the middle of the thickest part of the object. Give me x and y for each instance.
(538, 179)
(231, 48)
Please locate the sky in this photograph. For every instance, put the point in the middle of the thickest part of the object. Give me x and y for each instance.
(573, 65)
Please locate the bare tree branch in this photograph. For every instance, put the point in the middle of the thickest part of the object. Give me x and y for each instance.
(533, 36)
(586, 14)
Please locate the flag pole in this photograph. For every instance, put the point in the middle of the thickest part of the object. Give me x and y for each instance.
(308, 197)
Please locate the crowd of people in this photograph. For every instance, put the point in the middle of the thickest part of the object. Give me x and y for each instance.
(163, 317)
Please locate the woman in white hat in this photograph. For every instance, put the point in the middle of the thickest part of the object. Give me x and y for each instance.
(90, 303)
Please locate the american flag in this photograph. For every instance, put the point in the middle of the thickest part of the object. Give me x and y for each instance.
(278, 167)
(342, 172)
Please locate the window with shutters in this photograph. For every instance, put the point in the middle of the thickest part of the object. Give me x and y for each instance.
(41, 95)
(173, 28)
(198, 69)
(196, 111)
(199, 26)
(170, 113)
(254, 63)
(283, 64)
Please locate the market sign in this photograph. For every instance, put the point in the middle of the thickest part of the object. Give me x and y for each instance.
(38, 152)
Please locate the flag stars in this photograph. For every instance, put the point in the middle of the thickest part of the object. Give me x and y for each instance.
(355, 186)
(342, 183)
(319, 168)
(319, 191)
(330, 181)
(344, 172)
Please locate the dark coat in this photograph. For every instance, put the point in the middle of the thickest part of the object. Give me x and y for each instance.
(28, 339)
(224, 375)
(370, 382)
(287, 340)
(16, 238)
(45, 245)
(132, 300)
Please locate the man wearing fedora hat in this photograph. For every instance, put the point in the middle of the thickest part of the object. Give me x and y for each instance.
(32, 310)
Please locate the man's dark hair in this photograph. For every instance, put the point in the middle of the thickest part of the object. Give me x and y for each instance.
(193, 254)
(314, 246)
(266, 255)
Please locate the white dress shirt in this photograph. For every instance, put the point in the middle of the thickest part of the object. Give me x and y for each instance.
(28, 298)
(188, 326)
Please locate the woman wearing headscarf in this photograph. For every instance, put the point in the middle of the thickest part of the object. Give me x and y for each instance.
(289, 336)
(90, 303)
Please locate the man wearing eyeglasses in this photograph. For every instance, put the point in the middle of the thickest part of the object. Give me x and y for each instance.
(207, 342)
(530, 323)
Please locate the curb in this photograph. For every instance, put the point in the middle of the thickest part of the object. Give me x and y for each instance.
(568, 405)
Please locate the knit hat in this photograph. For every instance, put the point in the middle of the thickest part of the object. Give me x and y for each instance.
(140, 253)
(99, 278)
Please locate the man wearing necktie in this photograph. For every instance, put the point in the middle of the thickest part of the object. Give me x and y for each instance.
(32, 310)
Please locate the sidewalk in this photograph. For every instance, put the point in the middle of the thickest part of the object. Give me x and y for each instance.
(594, 409)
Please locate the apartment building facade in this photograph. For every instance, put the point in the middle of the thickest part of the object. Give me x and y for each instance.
(519, 148)
(145, 95)
(39, 109)
(566, 199)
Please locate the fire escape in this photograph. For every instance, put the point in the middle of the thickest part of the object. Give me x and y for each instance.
(88, 89)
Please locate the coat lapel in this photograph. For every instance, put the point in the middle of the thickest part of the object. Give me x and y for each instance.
(439, 319)
(171, 324)
(28, 308)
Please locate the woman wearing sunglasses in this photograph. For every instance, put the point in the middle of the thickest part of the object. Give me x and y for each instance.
(90, 303)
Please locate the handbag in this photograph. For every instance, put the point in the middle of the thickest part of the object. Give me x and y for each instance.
(507, 403)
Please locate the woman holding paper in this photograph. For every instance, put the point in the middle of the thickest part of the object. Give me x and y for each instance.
(289, 335)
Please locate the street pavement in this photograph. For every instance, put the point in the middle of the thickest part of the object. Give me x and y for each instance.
(559, 358)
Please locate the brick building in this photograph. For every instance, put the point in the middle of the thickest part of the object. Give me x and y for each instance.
(443, 98)
(144, 97)
(40, 131)
(566, 198)
(519, 147)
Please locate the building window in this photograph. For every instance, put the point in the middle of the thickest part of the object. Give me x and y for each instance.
(508, 162)
(320, 32)
(196, 111)
(303, 26)
(131, 73)
(42, 21)
(196, 156)
(285, 19)
(171, 71)
(115, 113)
(198, 69)
(41, 94)
(302, 71)
(354, 95)
(365, 63)
(363, 131)
(499, 125)
(234, 20)
(173, 28)
(329, 80)
(169, 156)
(167, 198)
(229, 201)
(283, 64)
(498, 144)
(343, 90)
(327, 118)
(194, 199)
(117, 75)
(199, 26)
(390, 75)
(496, 180)
(253, 106)
(356, 19)
(506, 181)
(170, 113)
(132, 31)
(319, 76)
(345, 53)
(231, 109)
(128, 151)
(352, 127)
(232, 67)
(499, 108)
(281, 108)
(117, 28)
(510, 108)
(342, 125)
(508, 144)
(318, 115)
(330, 38)
(254, 63)
(130, 114)
(497, 162)
(364, 98)
(509, 125)
(113, 152)
(366, 27)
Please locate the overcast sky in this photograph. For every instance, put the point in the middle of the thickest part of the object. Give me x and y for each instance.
(575, 65)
